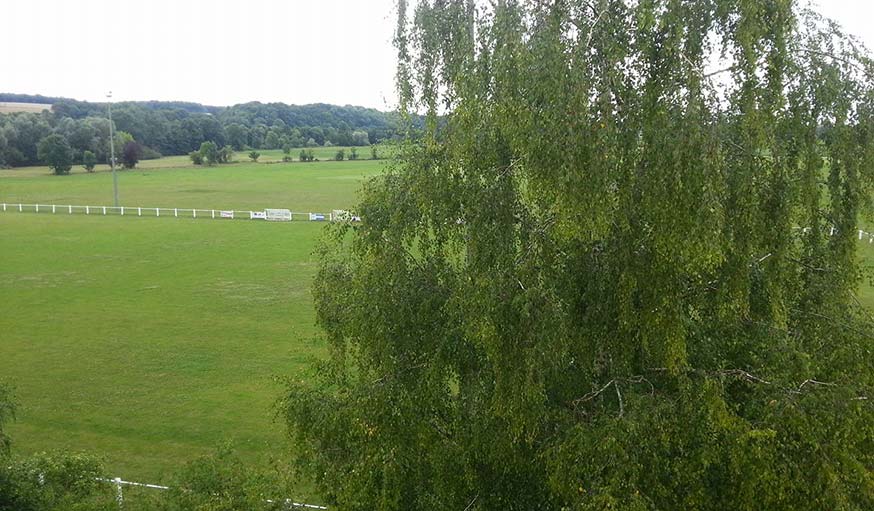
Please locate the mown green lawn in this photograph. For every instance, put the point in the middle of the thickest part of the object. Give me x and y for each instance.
(153, 340)
(317, 186)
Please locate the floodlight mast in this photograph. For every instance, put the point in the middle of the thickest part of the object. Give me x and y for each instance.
(112, 152)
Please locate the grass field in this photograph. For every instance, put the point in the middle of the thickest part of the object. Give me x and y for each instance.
(315, 186)
(153, 340)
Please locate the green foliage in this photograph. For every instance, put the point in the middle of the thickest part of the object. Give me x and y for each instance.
(222, 482)
(54, 482)
(254, 155)
(131, 154)
(177, 128)
(374, 154)
(89, 160)
(226, 154)
(353, 153)
(604, 278)
(340, 155)
(238, 136)
(196, 157)
(7, 414)
(209, 153)
(147, 153)
(55, 152)
(306, 155)
(360, 138)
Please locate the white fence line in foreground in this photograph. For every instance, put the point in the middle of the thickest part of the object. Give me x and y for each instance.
(119, 495)
(266, 214)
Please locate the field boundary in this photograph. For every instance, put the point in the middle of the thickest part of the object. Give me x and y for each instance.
(120, 483)
(195, 213)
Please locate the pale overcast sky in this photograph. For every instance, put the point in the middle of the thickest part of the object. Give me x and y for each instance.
(222, 52)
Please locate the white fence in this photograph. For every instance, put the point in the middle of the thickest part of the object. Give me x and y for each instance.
(221, 214)
(119, 495)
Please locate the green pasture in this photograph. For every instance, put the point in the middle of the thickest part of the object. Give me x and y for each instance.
(267, 157)
(170, 182)
(153, 340)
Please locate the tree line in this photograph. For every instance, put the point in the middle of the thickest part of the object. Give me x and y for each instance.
(177, 128)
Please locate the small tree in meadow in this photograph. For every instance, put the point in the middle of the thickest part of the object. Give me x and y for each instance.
(254, 155)
(55, 151)
(131, 154)
(353, 153)
(209, 153)
(341, 155)
(374, 155)
(89, 160)
(196, 157)
(226, 154)
(307, 155)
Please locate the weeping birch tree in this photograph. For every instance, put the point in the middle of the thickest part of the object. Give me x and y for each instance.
(617, 270)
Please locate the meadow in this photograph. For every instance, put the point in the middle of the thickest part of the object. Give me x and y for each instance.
(153, 340)
(175, 182)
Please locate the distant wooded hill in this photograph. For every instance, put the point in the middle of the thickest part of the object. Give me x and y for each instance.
(177, 127)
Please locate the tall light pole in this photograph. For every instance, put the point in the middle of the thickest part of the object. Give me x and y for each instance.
(112, 152)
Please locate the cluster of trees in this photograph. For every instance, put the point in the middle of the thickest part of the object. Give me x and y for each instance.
(210, 154)
(307, 155)
(180, 128)
(61, 142)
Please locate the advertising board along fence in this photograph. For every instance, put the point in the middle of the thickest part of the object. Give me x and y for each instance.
(120, 483)
(275, 215)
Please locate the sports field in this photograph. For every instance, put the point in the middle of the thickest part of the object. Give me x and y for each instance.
(153, 340)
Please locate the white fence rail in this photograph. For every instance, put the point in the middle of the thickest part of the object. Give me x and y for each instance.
(140, 211)
(119, 493)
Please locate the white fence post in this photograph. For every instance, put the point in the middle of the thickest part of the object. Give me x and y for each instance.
(122, 211)
(70, 209)
(193, 213)
(213, 213)
(119, 494)
(37, 208)
(87, 210)
(53, 210)
(139, 211)
(104, 210)
(4, 206)
(157, 211)
(19, 208)
(176, 212)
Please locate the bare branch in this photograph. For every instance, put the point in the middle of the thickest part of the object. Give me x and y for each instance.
(619, 395)
(471, 502)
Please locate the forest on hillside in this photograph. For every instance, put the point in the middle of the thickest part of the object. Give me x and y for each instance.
(175, 127)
